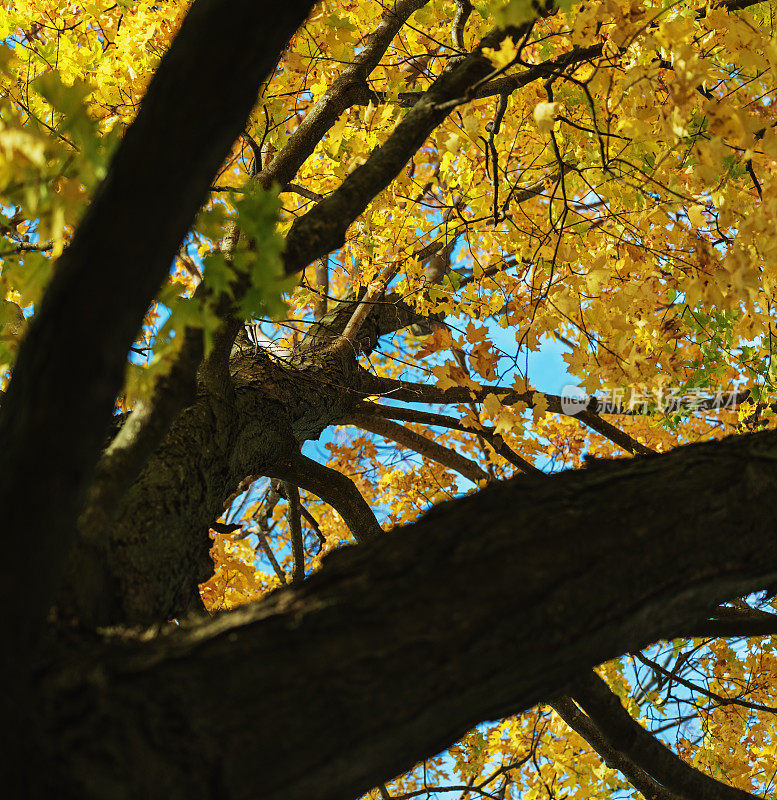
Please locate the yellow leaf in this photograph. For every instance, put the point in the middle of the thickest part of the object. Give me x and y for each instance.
(696, 216)
(540, 405)
(545, 114)
(452, 143)
(504, 56)
(492, 405)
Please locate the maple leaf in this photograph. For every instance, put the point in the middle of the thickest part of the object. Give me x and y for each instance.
(440, 339)
(502, 56)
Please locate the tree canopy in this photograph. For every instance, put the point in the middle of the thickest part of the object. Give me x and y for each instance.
(291, 507)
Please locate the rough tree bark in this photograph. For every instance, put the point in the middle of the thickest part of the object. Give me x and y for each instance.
(56, 412)
(144, 562)
(399, 645)
(396, 647)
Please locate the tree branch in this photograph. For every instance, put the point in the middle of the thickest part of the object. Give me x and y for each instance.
(332, 487)
(322, 287)
(727, 628)
(295, 532)
(145, 428)
(484, 607)
(718, 698)
(214, 371)
(323, 228)
(441, 420)
(341, 95)
(582, 725)
(502, 85)
(57, 410)
(615, 435)
(424, 393)
(623, 733)
(378, 316)
(420, 444)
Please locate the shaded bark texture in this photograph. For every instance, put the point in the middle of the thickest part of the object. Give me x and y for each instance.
(394, 649)
(484, 607)
(57, 410)
(145, 564)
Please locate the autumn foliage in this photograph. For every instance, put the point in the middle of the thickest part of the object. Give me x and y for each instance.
(427, 198)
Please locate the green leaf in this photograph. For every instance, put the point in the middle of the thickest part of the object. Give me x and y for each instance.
(11, 317)
(452, 280)
(218, 275)
(257, 217)
(67, 100)
(516, 12)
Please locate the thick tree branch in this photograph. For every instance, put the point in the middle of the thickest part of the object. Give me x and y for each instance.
(463, 10)
(482, 608)
(582, 725)
(332, 487)
(144, 429)
(728, 628)
(214, 371)
(373, 292)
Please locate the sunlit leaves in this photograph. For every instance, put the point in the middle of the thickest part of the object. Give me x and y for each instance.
(257, 217)
(623, 208)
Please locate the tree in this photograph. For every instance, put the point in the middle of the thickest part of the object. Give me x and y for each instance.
(415, 178)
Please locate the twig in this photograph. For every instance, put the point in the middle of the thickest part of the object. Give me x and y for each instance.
(719, 698)
(428, 418)
(493, 130)
(463, 10)
(264, 544)
(322, 287)
(295, 531)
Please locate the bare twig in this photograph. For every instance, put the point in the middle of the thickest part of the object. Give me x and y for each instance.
(265, 545)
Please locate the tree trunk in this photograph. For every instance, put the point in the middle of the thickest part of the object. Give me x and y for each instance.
(143, 565)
